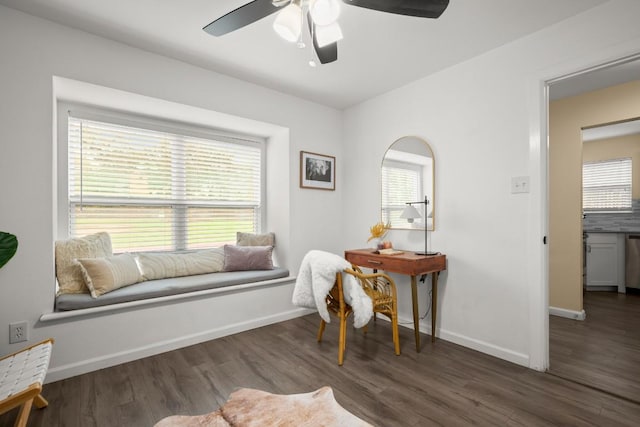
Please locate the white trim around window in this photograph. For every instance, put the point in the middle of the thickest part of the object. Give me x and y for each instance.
(607, 186)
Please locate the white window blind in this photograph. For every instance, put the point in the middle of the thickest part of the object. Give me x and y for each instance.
(153, 190)
(606, 186)
(400, 184)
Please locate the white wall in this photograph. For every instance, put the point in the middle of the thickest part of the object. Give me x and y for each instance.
(479, 118)
(32, 52)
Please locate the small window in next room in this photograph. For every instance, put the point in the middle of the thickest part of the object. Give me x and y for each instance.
(155, 185)
(606, 186)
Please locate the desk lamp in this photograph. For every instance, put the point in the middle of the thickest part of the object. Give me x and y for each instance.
(410, 214)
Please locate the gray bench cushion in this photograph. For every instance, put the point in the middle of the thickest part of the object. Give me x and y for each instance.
(164, 287)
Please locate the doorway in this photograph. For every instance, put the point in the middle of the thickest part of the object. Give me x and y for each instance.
(603, 349)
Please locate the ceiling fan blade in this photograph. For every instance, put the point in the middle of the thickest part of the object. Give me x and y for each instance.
(419, 8)
(240, 17)
(326, 54)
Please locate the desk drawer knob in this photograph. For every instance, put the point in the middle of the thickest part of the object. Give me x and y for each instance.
(370, 261)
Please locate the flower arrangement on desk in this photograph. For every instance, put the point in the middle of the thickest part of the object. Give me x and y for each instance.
(378, 231)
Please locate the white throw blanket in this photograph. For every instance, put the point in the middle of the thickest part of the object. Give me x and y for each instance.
(317, 276)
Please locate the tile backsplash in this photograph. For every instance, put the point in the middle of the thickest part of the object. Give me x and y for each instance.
(613, 222)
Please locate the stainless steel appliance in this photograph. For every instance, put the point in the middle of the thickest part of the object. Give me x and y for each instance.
(632, 261)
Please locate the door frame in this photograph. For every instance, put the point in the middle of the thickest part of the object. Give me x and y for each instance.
(538, 83)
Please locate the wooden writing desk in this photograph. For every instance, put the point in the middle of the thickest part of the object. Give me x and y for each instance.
(410, 264)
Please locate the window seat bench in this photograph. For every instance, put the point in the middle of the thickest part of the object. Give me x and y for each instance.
(166, 287)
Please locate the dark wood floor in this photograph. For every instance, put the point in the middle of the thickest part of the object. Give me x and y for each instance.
(444, 385)
(603, 351)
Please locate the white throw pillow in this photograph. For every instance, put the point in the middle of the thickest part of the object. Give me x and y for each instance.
(251, 239)
(164, 265)
(102, 275)
(68, 271)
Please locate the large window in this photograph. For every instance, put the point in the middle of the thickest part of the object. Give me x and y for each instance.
(606, 186)
(156, 189)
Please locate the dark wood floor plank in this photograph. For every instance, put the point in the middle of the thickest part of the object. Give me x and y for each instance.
(603, 351)
(444, 385)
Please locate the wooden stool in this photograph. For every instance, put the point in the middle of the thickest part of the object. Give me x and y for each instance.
(21, 377)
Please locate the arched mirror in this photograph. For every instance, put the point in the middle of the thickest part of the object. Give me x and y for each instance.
(408, 175)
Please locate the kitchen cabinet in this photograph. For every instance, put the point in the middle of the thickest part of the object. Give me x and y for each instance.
(605, 262)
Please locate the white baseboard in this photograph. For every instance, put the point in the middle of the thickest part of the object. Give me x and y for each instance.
(82, 367)
(569, 314)
(472, 343)
(485, 347)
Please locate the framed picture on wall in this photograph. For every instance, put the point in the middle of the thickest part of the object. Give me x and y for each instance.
(317, 171)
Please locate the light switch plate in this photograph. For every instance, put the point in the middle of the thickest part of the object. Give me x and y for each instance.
(519, 184)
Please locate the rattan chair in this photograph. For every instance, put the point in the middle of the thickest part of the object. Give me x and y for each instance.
(21, 377)
(382, 291)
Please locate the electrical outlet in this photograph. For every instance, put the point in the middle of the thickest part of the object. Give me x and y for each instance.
(18, 332)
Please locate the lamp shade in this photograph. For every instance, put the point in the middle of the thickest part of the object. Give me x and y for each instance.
(410, 213)
(327, 34)
(288, 23)
(324, 12)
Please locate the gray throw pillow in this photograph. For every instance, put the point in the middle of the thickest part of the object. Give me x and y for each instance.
(243, 258)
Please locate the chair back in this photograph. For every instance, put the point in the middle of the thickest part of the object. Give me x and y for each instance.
(379, 287)
(335, 298)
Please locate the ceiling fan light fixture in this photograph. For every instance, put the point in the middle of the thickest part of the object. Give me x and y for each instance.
(327, 34)
(288, 23)
(324, 12)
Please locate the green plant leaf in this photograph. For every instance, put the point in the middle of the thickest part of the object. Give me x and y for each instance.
(8, 247)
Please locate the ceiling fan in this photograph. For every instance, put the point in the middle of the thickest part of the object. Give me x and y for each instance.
(321, 19)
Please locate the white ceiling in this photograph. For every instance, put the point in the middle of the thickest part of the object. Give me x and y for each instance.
(596, 79)
(380, 51)
(600, 78)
